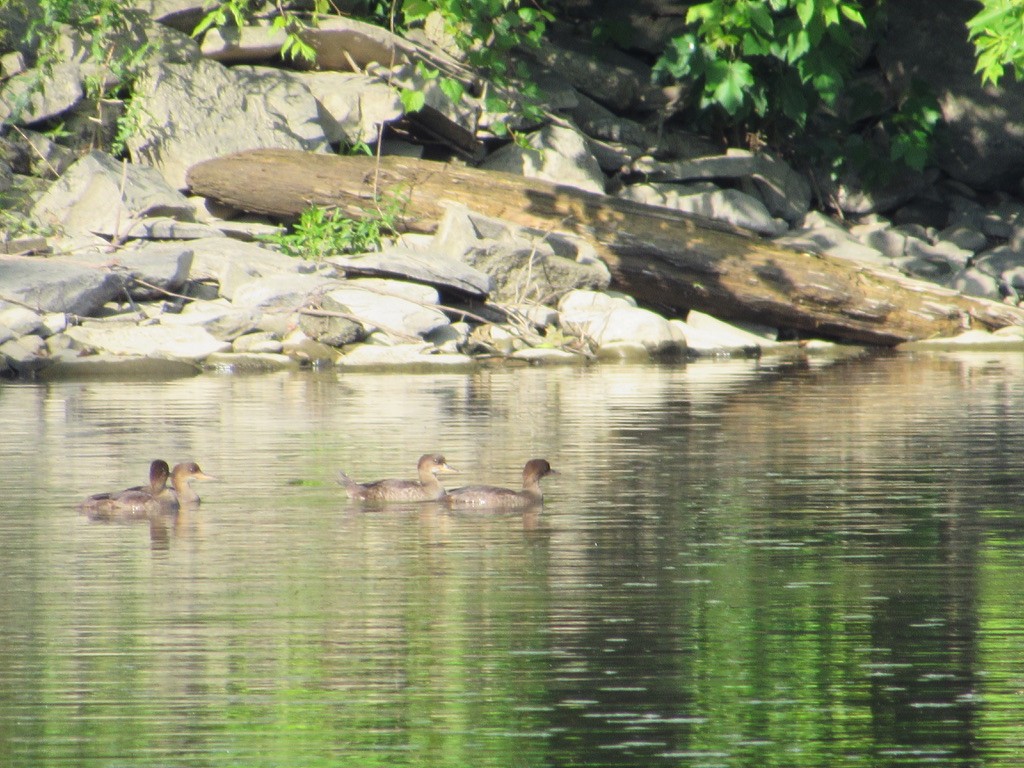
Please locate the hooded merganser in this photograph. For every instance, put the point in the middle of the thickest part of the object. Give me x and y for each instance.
(427, 488)
(138, 501)
(181, 493)
(505, 498)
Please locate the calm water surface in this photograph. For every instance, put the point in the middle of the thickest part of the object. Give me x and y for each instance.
(741, 564)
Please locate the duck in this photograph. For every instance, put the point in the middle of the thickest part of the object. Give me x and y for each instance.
(181, 493)
(426, 488)
(137, 501)
(493, 497)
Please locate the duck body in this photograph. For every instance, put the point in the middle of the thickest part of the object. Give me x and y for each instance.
(497, 498)
(138, 501)
(426, 488)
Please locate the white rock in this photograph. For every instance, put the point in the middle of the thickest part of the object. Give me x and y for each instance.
(706, 335)
(179, 343)
(415, 355)
(610, 320)
(981, 341)
(376, 305)
(556, 154)
(20, 320)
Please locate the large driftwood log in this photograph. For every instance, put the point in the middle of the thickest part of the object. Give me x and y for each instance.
(666, 259)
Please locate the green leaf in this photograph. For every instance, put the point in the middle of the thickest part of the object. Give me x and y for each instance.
(452, 88)
(805, 11)
(412, 101)
(853, 14)
(727, 83)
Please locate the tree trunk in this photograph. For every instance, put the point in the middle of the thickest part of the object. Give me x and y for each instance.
(666, 259)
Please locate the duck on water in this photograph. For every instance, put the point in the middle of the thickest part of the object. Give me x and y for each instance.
(496, 498)
(426, 488)
(145, 500)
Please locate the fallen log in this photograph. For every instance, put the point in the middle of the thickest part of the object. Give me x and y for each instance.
(666, 259)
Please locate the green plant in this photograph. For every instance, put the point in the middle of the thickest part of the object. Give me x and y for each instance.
(239, 13)
(997, 31)
(128, 124)
(776, 70)
(322, 232)
(486, 31)
(763, 65)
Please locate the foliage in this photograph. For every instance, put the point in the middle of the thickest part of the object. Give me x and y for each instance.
(486, 31)
(997, 31)
(322, 232)
(764, 64)
(778, 70)
(238, 13)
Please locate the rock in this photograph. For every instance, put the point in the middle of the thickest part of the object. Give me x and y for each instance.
(330, 330)
(56, 285)
(179, 343)
(104, 196)
(398, 309)
(728, 205)
(975, 341)
(249, 362)
(819, 234)
(26, 355)
(18, 320)
(981, 124)
(285, 291)
(356, 106)
(967, 238)
(243, 44)
(616, 324)
(433, 267)
(233, 263)
(402, 355)
(555, 154)
(117, 367)
(341, 42)
(880, 236)
(785, 193)
(150, 270)
(257, 343)
(297, 345)
(254, 109)
(708, 336)
(520, 263)
(44, 158)
(222, 320)
(976, 282)
(613, 78)
(34, 96)
(547, 356)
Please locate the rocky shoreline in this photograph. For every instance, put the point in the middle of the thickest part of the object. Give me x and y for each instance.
(128, 275)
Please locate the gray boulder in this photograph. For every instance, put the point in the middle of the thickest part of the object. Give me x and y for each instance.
(785, 192)
(556, 154)
(35, 96)
(102, 195)
(253, 108)
(356, 106)
(432, 266)
(728, 205)
(57, 285)
(399, 309)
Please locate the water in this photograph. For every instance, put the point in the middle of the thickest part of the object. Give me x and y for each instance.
(741, 564)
